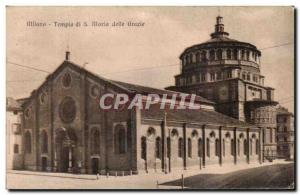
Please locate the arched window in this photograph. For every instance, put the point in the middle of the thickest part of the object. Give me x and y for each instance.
(28, 142)
(245, 147)
(285, 129)
(191, 58)
(180, 147)
(169, 147)
(217, 147)
(257, 147)
(120, 139)
(44, 142)
(174, 133)
(189, 147)
(187, 59)
(224, 149)
(203, 56)
(228, 54)
(235, 54)
(247, 55)
(200, 147)
(198, 57)
(243, 55)
(144, 148)
(158, 148)
(250, 147)
(248, 76)
(207, 147)
(95, 140)
(212, 55)
(238, 147)
(219, 54)
(232, 147)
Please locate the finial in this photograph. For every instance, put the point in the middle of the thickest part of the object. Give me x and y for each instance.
(67, 55)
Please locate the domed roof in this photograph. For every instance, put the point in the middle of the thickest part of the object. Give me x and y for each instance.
(220, 38)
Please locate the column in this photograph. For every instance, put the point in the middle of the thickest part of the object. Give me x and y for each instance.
(260, 145)
(70, 159)
(55, 160)
(169, 151)
(220, 145)
(234, 148)
(164, 145)
(248, 144)
(184, 146)
(204, 146)
(239, 54)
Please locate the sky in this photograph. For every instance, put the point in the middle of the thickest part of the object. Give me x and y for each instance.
(112, 51)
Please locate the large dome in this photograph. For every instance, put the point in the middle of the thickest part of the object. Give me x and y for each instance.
(221, 49)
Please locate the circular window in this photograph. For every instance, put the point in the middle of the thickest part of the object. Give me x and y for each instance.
(151, 132)
(67, 110)
(194, 134)
(174, 133)
(43, 98)
(27, 113)
(66, 80)
(95, 91)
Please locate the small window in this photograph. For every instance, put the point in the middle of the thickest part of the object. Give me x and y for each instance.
(190, 148)
(27, 113)
(248, 77)
(203, 77)
(229, 75)
(16, 149)
(180, 147)
(27, 142)
(158, 148)
(212, 76)
(67, 80)
(228, 53)
(95, 91)
(16, 127)
(219, 54)
(43, 97)
(219, 75)
(15, 112)
(144, 148)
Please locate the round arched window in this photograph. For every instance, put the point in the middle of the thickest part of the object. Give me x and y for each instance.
(174, 133)
(67, 110)
(67, 80)
(27, 112)
(151, 132)
(95, 91)
(194, 134)
(43, 97)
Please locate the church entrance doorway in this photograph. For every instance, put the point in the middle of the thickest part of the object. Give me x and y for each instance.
(44, 163)
(95, 165)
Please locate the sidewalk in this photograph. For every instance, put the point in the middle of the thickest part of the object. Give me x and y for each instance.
(44, 180)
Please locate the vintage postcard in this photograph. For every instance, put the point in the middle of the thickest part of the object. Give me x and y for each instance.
(157, 98)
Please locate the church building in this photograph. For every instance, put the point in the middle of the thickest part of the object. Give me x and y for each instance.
(65, 130)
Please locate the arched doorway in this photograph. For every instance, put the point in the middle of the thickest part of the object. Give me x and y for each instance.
(44, 163)
(95, 165)
(65, 149)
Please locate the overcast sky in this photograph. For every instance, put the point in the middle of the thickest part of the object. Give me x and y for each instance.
(167, 31)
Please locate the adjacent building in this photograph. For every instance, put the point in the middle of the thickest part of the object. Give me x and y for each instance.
(285, 134)
(13, 134)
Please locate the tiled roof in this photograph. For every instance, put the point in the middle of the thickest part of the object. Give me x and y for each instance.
(199, 116)
(12, 104)
(149, 90)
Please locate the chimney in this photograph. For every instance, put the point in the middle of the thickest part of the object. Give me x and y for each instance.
(67, 56)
